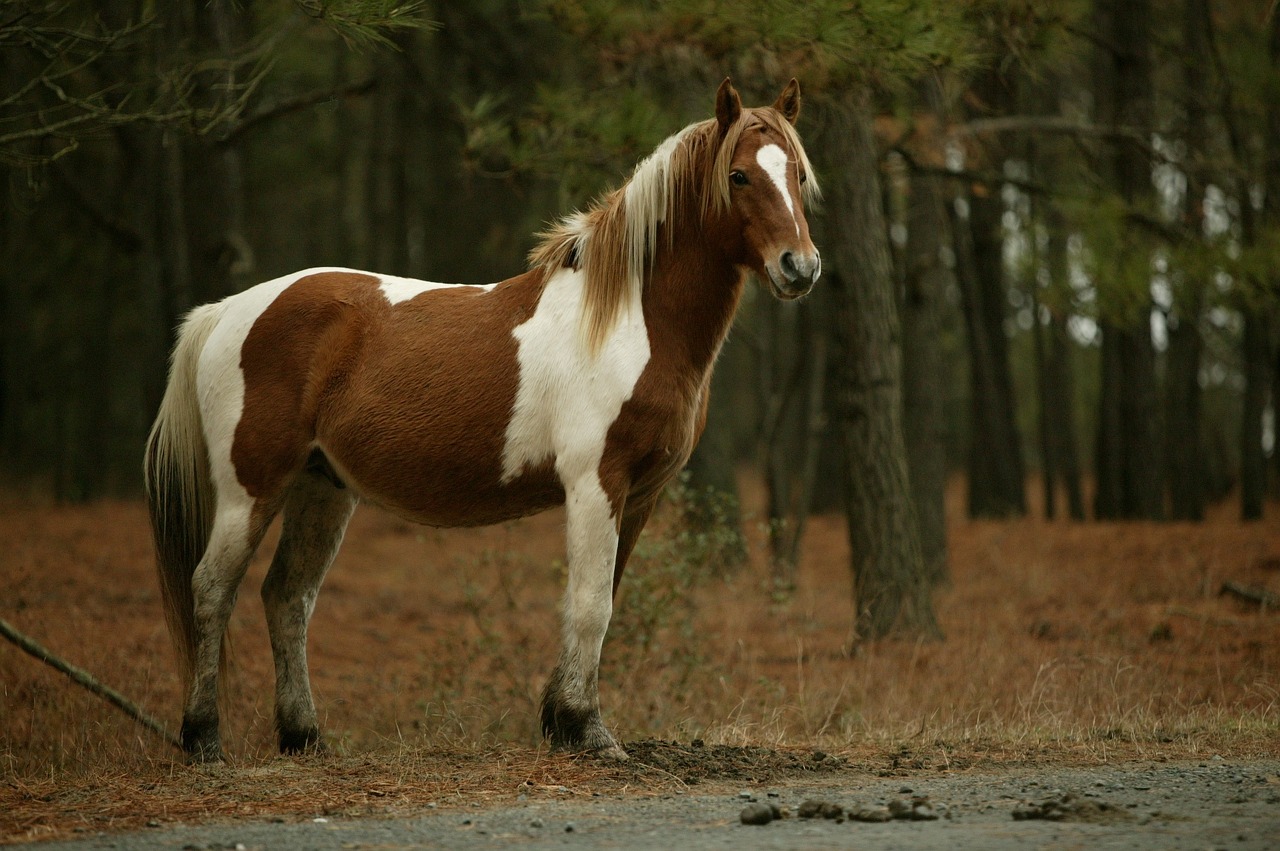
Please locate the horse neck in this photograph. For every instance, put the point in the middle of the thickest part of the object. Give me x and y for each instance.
(691, 297)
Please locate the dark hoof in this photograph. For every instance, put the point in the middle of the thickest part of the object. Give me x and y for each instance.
(613, 753)
(200, 741)
(600, 746)
(575, 725)
(306, 741)
(580, 732)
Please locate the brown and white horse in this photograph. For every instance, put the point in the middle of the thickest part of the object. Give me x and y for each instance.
(582, 382)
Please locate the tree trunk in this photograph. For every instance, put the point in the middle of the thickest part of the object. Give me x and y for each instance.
(1059, 378)
(387, 191)
(924, 374)
(892, 593)
(1271, 210)
(996, 472)
(1051, 402)
(1129, 474)
(1058, 388)
(222, 259)
(1184, 450)
(793, 366)
(1051, 296)
(1260, 348)
(1044, 405)
(349, 146)
(1184, 446)
(1257, 351)
(15, 315)
(780, 368)
(712, 500)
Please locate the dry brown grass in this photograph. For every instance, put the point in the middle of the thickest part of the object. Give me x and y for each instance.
(1065, 642)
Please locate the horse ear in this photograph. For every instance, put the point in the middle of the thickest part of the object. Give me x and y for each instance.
(728, 105)
(788, 103)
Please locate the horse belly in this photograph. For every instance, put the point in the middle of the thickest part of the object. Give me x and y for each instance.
(436, 459)
(451, 495)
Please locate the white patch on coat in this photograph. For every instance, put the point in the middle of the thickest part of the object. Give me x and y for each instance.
(566, 402)
(567, 398)
(220, 378)
(592, 547)
(774, 162)
(397, 290)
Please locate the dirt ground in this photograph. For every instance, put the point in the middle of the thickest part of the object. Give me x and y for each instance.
(1216, 803)
(1073, 646)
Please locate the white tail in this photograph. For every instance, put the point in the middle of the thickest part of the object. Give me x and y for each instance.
(180, 496)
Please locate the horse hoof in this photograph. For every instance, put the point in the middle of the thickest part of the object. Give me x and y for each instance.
(601, 745)
(611, 753)
(206, 757)
(302, 742)
(201, 742)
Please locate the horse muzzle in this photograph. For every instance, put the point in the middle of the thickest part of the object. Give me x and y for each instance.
(794, 274)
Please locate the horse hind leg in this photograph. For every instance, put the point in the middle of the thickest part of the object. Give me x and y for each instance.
(316, 513)
(234, 536)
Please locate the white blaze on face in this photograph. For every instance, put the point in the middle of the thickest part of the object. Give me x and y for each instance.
(774, 162)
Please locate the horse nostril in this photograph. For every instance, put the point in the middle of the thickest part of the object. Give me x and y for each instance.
(788, 264)
(801, 268)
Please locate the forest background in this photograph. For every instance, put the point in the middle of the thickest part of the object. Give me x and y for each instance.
(1049, 230)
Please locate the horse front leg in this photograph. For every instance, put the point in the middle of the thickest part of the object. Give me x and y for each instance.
(571, 701)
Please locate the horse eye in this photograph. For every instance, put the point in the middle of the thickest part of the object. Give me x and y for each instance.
(738, 178)
(804, 176)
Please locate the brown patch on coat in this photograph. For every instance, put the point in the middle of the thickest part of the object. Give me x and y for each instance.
(298, 352)
(409, 402)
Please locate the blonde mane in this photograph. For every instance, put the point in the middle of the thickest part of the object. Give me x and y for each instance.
(614, 241)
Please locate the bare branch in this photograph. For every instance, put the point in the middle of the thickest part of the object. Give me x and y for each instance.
(1249, 594)
(83, 678)
(987, 178)
(52, 105)
(126, 237)
(295, 104)
(1167, 231)
(1093, 37)
(1047, 124)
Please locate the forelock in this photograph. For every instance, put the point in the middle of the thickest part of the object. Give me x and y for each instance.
(718, 189)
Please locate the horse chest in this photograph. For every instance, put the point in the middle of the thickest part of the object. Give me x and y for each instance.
(568, 398)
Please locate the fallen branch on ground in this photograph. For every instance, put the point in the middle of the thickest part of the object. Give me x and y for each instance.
(84, 678)
(1250, 594)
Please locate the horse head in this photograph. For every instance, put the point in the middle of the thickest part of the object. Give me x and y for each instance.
(764, 178)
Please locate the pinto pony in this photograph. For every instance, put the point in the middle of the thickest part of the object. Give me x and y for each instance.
(581, 382)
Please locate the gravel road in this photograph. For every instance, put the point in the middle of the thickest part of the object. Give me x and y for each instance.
(1200, 805)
